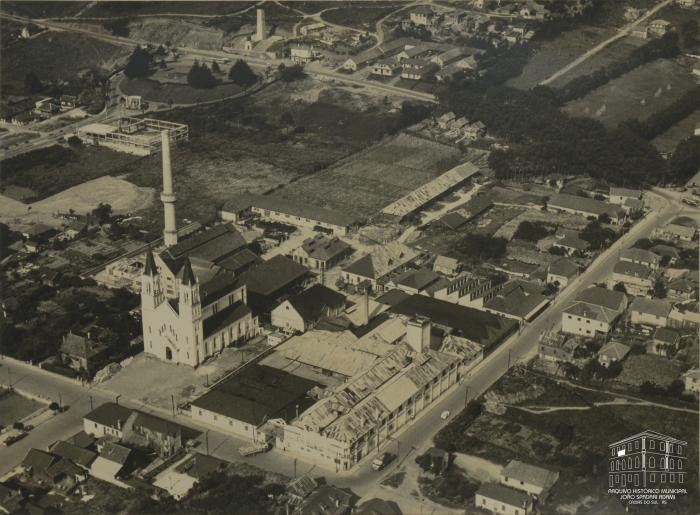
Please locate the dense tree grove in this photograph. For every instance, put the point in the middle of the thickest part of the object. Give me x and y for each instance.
(480, 246)
(660, 121)
(541, 136)
(241, 74)
(139, 64)
(685, 160)
(291, 73)
(531, 231)
(200, 76)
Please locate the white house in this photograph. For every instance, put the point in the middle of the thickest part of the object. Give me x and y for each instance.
(641, 257)
(536, 481)
(503, 500)
(561, 272)
(595, 311)
(613, 352)
(652, 312)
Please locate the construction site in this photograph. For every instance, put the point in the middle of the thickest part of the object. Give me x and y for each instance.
(138, 136)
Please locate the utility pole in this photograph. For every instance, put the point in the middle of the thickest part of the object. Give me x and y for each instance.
(206, 438)
(9, 378)
(117, 399)
(466, 397)
(295, 468)
(60, 401)
(172, 398)
(508, 367)
(91, 408)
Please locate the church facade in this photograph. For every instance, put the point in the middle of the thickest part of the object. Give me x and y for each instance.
(192, 305)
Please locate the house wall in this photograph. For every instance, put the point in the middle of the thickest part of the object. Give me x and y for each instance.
(278, 216)
(525, 486)
(227, 424)
(573, 324)
(561, 279)
(638, 317)
(633, 285)
(286, 317)
(496, 506)
(98, 430)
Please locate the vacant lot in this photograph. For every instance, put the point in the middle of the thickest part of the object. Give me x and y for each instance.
(637, 94)
(46, 54)
(14, 407)
(365, 183)
(668, 141)
(638, 369)
(557, 53)
(155, 91)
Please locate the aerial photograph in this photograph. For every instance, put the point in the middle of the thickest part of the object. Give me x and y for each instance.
(349, 257)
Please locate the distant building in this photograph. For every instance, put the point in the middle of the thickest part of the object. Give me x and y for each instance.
(676, 232)
(302, 54)
(466, 290)
(561, 272)
(558, 347)
(385, 68)
(664, 342)
(620, 195)
(637, 279)
(585, 206)
(81, 353)
(446, 265)
(422, 15)
(640, 257)
(691, 381)
(613, 352)
(659, 27)
(518, 300)
(374, 267)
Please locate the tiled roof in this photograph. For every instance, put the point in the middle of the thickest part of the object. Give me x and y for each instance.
(504, 495)
(632, 269)
(602, 297)
(114, 452)
(635, 254)
(382, 260)
(211, 245)
(516, 300)
(584, 205)
(109, 414)
(614, 351)
(564, 268)
(81, 347)
(323, 248)
(531, 474)
(224, 318)
(417, 279)
(666, 335)
(314, 301)
(76, 454)
(656, 307)
(273, 275)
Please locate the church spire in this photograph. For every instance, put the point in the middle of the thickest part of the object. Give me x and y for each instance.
(188, 278)
(150, 267)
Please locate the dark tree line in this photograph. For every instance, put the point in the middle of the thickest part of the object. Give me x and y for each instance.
(661, 121)
(201, 77)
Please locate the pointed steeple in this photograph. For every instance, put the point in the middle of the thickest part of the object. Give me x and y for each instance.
(188, 278)
(150, 269)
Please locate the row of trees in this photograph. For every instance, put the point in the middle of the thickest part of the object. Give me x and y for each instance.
(660, 121)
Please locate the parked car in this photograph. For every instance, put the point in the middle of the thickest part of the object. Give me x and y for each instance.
(14, 438)
(445, 415)
(381, 461)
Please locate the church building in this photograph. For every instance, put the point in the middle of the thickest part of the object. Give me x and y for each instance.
(191, 307)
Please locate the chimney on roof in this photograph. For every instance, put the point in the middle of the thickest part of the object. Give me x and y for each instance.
(364, 307)
(418, 333)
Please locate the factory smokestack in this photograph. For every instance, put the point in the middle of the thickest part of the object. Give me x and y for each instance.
(168, 196)
(260, 29)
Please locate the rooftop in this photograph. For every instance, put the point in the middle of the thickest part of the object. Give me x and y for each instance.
(635, 254)
(109, 414)
(584, 204)
(656, 307)
(323, 248)
(563, 267)
(505, 495)
(312, 303)
(273, 275)
(632, 269)
(257, 393)
(382, 260)
(602, 297)
(531, 474)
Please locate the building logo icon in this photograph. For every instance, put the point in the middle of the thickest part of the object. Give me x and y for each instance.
(647, 468)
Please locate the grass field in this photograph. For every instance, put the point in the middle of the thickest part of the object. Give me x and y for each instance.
(365, 183)
(637, 94)
(363, 15)
(155, 91)
(667, 141)
(46, 54)
(557, 53)
(14, 407)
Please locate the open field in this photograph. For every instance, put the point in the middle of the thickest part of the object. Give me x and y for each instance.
(557, 53)
(362, 16)
(668, 141)
(14, 407)
(51, 170)
(365, 183)
(155, 91)
(637, 94)
(117, 9)
(46, 54)
(123, 196)
(571, 441)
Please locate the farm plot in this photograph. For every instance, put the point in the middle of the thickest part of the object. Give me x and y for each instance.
(637, 94)
(667, 142)
(557, 53)
(366, 182)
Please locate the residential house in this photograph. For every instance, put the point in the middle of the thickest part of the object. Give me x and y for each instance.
(302, 54)
(451, 71)
(68, 102)
(659, 27)
(640, 257)
(268, 283)
(445, 58)
(475, 131)
(75, 229)
(518, 300)
(620, 195)
(81, 353)
(612, 352)
(78, 455)
(665, 341)
(111, 462)
(385, 68)
(558, 347)
(536, 481)
(673, 231)
(668, 254)
(680, 289)
(106, 420)
(415, 69)
(445, 120)
(570, 242)
(561, 272)
(378, 264)
(301, 312)
(595, 311)
(415, 281)
(637, 279)
(358, 61)
(685, 316)
(691, 381)
(422, 15)
(12, 498)
(300, 488)
(585, 206)
(650, 312)
(467, 290)
(446, 265)
(328, 499)
(321, 252)
(503, 500)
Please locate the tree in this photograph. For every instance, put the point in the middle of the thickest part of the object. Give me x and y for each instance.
(287, 119)
(292, 73)
(200, 76)
(683, 164)
(480, 246)
(32, 84)
(103, 213)
(604, 218)
(139, 64)
(531, 231)
(215, 67)
(242, 74)
(660, 289)
(170, 103)
(620, 287)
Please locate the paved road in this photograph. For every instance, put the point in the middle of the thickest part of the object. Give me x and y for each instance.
(600, 46)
